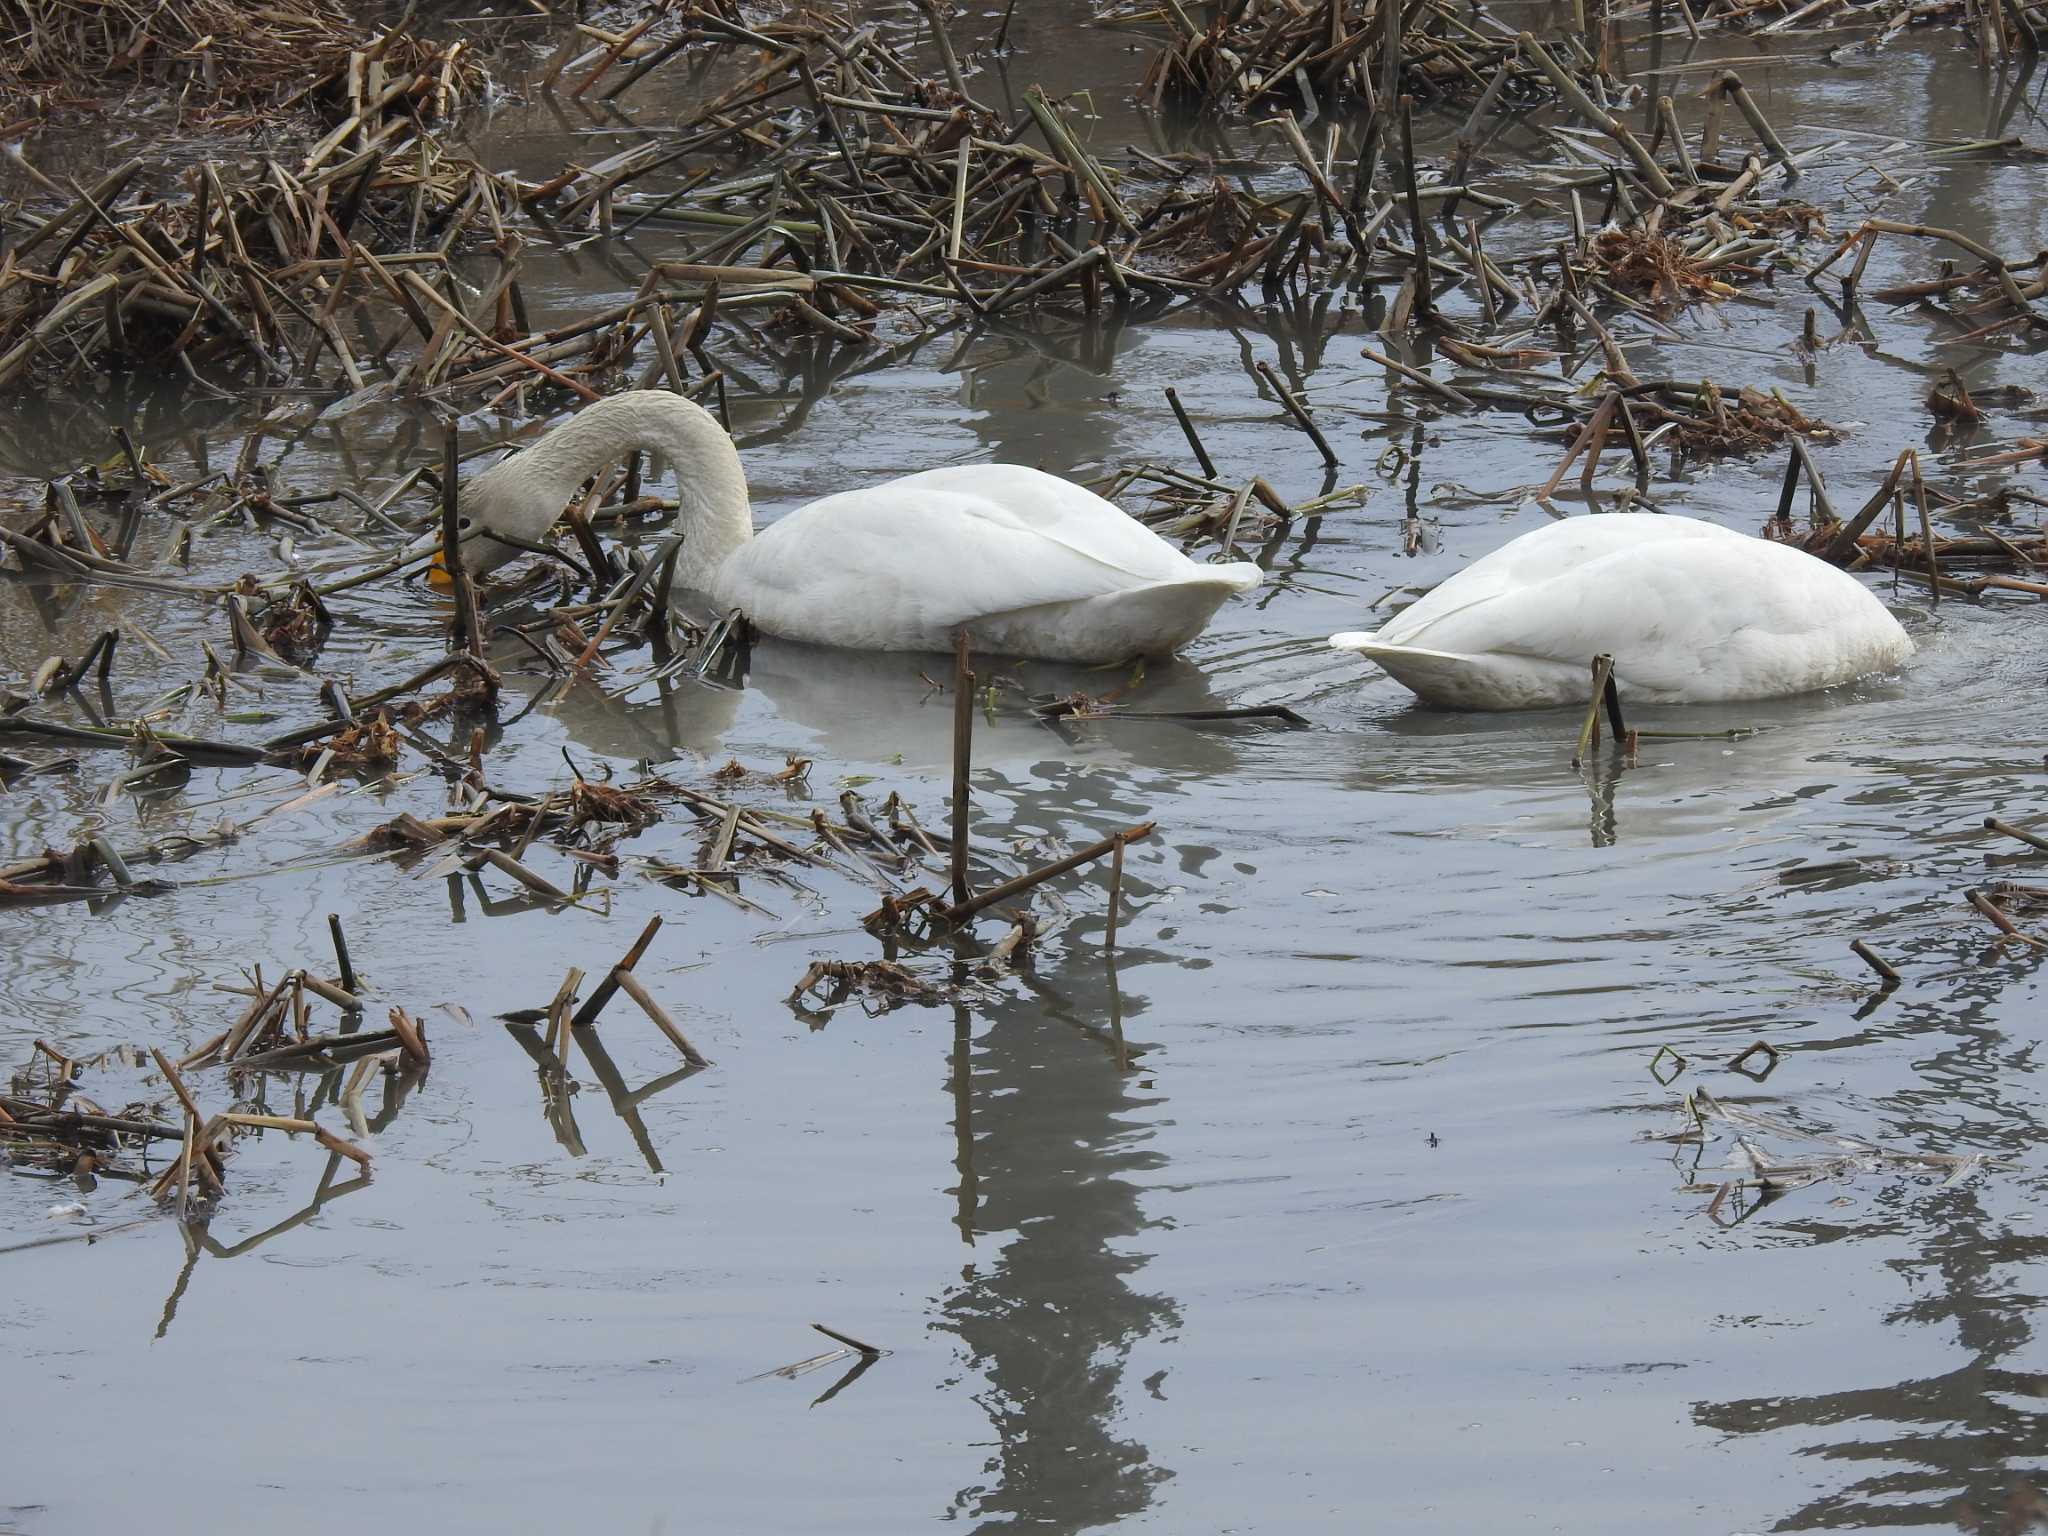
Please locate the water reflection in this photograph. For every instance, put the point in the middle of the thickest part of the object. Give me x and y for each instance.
(1947, 1447)
(197, 1232)
(892, 711)
(1052, 1143)
(557, 1082)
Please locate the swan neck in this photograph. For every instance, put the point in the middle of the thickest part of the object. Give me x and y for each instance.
(714, 515)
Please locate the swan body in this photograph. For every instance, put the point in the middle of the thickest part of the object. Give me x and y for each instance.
(1033, 565)
(1691, 612)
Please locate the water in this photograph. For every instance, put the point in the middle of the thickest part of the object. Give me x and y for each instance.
(1379, 1225)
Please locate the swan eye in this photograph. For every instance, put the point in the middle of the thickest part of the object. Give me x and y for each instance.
(462, 522)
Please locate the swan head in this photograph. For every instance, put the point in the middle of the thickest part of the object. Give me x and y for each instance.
(521, 505)
(505, 499)
(516, 501)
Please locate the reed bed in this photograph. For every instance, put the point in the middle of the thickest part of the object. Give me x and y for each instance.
(223, 62)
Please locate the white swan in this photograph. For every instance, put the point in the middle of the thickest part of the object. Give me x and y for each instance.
(1691, 612)
(1033, 565)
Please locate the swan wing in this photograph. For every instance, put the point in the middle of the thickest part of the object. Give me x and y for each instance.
(899, 565)
(1557, 552)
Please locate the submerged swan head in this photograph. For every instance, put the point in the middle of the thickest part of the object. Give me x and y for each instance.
(523, 495)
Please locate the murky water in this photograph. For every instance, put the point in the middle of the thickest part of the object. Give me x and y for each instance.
(1378, 1227)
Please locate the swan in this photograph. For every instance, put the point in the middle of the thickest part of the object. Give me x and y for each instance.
(1033, 565)
(1691, 612)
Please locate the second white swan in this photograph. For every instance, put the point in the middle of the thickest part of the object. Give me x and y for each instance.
(1691, 612)
(1033, 565)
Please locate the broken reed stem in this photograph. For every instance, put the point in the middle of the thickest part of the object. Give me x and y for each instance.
(163, 1065)
(1295, 409)
(1606, 122)
(1416, 376)
(1116, 895)
(960, 912)
(326, 1138)
(2001, 922)
(848, 1340)
(410, 1035)
(539, 884)
(587, 1014)
(347, 971)
(1610, 694)
(1425, 303)
(1731, 84)
(1993, 824)
(1188, 431)
(630, 985)
(468, 633)
(1876, 962)
(963, 753)
(1589, 733)
(1926, 534)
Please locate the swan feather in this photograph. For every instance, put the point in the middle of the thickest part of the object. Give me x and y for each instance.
(1690, 611)
(900, 566)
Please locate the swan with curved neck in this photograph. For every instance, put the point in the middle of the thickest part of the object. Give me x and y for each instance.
(1032, 564)
(1691, 612)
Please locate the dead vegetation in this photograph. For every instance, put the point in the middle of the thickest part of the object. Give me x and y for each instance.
(1752, 1176)
(1250, 55)
(248, 274)
(222, 62)
(166, 1141)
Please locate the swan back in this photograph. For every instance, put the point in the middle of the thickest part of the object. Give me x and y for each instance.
(900, 566)
(1689, 610)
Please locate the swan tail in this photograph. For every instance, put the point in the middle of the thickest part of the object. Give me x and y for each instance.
(1496, 680)
(1438, 677)
(1238, 576)
(1153, 620)
(1411, 665)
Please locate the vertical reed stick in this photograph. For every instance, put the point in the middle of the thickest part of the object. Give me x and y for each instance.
(347, 972)
(1425, 305)
(1589, 733)
(1926, 532)
(467, 632)
(1187, 428)
(963, 753)
(1116, 894)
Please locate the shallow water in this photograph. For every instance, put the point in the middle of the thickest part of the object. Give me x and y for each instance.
(1379, 1224)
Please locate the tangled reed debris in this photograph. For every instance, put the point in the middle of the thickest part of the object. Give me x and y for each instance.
(1755, 1178)
(223, 59)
